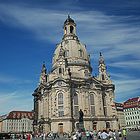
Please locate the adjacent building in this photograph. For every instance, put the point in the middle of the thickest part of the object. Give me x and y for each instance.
(70, 87)
(3, 117)
(132, 113)
(120, 115)
(17, 122)
(0, 124)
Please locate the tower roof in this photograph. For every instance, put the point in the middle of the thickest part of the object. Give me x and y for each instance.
(69, 19)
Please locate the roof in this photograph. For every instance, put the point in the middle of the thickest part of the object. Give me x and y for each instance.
(20, 115)
(132, 102)
(3, 116)
(69, 19)
(136, 99)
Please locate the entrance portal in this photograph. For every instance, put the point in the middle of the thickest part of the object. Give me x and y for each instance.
(60, 127)
(94, 125)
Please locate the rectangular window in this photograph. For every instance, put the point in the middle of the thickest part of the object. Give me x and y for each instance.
(60, 111)
(105, 111)
(76, 111)
(93, 110)
(92, 99)
(80, 53)
(76, 99)
(104, 101)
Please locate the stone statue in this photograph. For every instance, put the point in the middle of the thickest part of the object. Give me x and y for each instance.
(81, 114)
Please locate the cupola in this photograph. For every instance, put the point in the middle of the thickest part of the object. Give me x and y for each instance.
(69, 28)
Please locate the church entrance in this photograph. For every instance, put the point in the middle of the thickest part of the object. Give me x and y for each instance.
(77, 125)
(94, 125)
(107, 125)
(60, 128)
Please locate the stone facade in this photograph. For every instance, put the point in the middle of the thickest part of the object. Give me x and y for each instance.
(70, 87)
(120, 114)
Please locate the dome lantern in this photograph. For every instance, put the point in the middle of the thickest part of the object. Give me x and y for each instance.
(69, 27)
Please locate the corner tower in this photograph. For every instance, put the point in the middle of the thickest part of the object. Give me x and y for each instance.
(103, 75)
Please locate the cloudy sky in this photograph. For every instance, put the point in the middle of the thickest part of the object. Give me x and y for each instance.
(30, 30)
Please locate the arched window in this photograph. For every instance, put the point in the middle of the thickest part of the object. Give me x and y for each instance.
(60, 70)
(71, 29)
(60, 105)
(60, 98)
(76, 107)
(92, 105)
(80, 53)
(66, 53)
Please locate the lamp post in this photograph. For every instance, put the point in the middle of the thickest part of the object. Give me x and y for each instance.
(71, 98)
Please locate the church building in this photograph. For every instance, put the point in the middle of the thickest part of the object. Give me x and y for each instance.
(70, 87)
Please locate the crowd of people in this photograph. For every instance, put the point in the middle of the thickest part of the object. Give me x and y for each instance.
(100, 135)
(78, 135)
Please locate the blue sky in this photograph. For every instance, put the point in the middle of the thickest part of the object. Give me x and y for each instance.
(30, 29)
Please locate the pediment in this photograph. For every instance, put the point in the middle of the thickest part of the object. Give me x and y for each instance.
(59, 82)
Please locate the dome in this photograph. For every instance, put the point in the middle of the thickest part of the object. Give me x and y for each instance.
(73, 50)
(70, 47)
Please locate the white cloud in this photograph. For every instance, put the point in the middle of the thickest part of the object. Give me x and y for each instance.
(97, 30)
(135, 64)
(17, 100)
(39, 21)
(7, 79)
(113, 35)
(126, 89)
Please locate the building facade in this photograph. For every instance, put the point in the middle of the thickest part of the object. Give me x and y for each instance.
(18, 121)
(132, 113)
(70, 87)
(120, 114)
(0, 124)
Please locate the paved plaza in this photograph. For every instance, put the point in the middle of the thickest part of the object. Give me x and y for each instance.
(133, 135)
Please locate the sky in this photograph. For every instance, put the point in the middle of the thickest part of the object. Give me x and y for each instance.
(30, 30)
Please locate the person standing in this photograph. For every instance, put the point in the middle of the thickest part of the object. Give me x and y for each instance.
(99, 135)
(104, 135)
(117, 135)
(124, 134)
(88, 135)
(28, 136)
